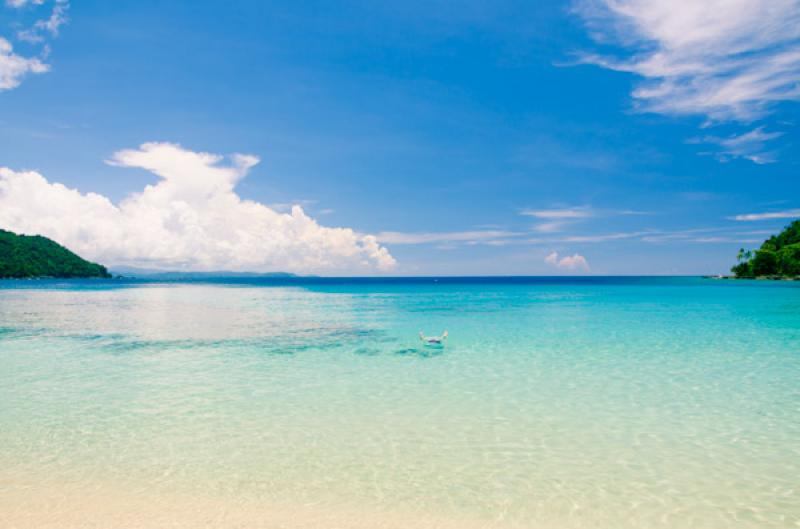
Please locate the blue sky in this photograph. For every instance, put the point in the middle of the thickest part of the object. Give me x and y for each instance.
(443, 137)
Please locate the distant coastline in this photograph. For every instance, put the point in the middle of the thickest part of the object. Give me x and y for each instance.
(36, 257)
(147, 273)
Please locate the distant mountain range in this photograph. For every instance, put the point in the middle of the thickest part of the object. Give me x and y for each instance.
(150, 273)
(30, 256)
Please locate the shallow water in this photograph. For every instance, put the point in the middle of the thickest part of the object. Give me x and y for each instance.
(602, 403)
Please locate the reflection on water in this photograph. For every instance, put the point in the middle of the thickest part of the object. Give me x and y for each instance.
(553, 405)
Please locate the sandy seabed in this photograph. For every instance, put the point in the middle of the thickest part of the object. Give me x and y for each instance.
(75, 509)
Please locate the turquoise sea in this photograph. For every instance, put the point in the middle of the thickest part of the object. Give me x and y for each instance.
(557, 403)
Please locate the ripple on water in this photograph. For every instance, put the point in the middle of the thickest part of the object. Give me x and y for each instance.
(551, 406)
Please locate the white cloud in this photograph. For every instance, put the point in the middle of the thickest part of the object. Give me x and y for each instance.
(724, 59)
(191, 219)
(285, 207)
(750, 146)
(549, 227)
(484, 236)
(713, 234)
(788, 214)
(565, 213)
(557, 219)
(57, 18)
(707, 240)
(22, 3)
(605, 237)
(568, 262)
(14, 67)
(633, 212)
(572, 262)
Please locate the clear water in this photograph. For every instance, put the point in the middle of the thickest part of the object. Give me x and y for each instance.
(595, 403)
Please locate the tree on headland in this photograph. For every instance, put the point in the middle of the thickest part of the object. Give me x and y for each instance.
(26, 256)
(779, 256)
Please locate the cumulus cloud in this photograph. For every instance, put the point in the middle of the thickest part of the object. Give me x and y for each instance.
(569, 262)
(14, 67)
(726, 59)
(191, 219)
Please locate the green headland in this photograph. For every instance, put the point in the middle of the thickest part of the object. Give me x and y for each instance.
(33, 256)
(778, 257)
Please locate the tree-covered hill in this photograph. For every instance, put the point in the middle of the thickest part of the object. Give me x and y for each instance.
(23, 256)
(778, 256)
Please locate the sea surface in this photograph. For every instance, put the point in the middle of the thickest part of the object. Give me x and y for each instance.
(557, 403)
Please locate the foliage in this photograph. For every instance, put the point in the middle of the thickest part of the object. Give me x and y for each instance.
(789, 259)
(742, 270)
(765, 263)
(24, 256)
(778, 256)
